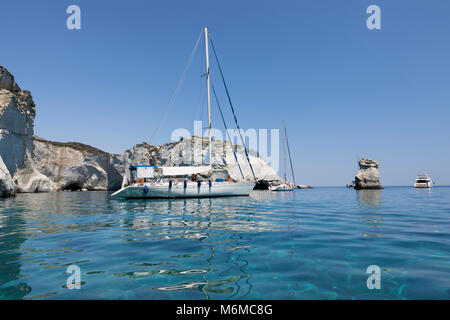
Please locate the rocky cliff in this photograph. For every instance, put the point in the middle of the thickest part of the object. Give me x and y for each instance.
(17, 112)
(7, 186)
(30, 164)
(56, 166)
(368, 176)
(194, 151)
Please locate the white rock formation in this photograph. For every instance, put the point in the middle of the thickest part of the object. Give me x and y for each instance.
(59, 166)
(193, 151)
(37, 165)
(29, 179)
(17, 112)
(7, 186)
(368, 176)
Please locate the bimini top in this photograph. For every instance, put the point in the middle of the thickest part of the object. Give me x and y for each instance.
(151, 171)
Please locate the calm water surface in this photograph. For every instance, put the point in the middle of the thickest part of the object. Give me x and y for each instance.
(307, 244)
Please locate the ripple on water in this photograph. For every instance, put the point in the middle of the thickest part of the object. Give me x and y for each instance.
(306, 244)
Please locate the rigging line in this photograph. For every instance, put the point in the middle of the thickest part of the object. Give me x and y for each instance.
(232, 109)
(199, 111)
(289, 152)
(228, 133)
(177, 88)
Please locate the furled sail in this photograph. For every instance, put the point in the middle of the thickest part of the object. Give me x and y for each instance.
(185, 170)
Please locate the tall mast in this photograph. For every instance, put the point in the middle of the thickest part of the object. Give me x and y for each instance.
(209, 94)
(284, 153)
(289, 152)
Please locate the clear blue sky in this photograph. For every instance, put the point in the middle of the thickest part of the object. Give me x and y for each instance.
(343, 90)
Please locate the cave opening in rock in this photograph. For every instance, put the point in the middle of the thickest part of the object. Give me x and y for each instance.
(74, 186)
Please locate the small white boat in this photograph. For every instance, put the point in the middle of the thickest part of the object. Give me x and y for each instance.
(423, 181)
(281, 187)
(284, 186)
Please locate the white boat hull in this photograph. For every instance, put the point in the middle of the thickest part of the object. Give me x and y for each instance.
(423, 181)
(192, 190)
(423, 185)
(281, 187)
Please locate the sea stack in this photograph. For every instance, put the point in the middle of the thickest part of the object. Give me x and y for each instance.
(368, 176)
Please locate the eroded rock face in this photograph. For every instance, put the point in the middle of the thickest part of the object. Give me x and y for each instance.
(368, 176)
(57, 166)
(17, 112)
(7, 186)
(193, 151)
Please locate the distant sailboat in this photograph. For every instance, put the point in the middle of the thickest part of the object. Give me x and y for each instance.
(149, 181)
(285, 185)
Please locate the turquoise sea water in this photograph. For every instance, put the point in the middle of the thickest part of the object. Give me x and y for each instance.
(306, 244)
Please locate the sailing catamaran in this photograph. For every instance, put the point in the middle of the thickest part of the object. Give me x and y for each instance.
(150, 181)
(285, 185)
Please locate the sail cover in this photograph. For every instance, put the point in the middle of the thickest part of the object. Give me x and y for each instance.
(145, 172)
(181, 171)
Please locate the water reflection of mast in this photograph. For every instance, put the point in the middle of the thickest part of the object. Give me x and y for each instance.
(213, 253)
(207, 243)
(249, 275)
